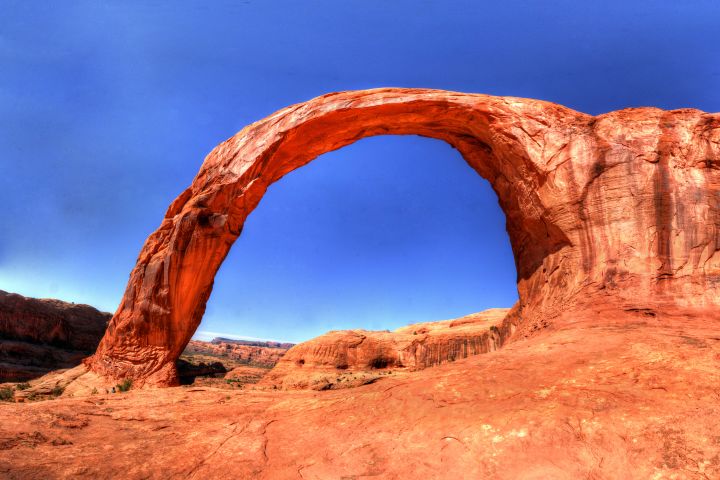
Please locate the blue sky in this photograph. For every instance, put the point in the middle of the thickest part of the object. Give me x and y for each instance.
(108, 108)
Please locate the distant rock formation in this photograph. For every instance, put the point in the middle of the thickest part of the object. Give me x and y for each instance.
(40, 335)
(253, 343)
(349, 358)
(256, 353)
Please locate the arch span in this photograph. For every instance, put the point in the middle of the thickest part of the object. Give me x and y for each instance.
(544, 161)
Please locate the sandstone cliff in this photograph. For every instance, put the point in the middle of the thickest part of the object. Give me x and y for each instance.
(40, 335)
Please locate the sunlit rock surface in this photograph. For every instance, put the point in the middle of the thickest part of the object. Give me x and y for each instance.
(348, 358)
(264, 354)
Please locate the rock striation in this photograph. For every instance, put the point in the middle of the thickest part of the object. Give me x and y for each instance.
(349, 358)
(621, 208)
(40, 335)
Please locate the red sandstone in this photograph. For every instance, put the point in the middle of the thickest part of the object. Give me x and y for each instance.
(349, 358)
(632, 397)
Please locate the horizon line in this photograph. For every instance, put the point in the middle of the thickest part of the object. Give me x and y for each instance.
(209, 335)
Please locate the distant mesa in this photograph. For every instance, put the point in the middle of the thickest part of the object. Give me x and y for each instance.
(252, 343)
(238, 361)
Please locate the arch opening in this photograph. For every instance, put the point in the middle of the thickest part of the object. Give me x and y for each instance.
(387, 231)
(169, 287)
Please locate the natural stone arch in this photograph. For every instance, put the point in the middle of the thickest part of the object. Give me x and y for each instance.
(548, 165)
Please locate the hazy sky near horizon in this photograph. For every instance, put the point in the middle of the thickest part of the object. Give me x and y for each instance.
(107, 110)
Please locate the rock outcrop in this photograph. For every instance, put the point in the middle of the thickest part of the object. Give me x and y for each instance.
(620, 208)
(40, 335)
(238, 361)
(348, 358)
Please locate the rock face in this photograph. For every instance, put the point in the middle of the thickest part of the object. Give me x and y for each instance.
(349, 358)
(622, 208)
(39, 335)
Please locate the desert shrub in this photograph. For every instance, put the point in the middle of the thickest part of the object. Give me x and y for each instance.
(57, 391)
(125, 385)
(94, 391)
(6, 395)
(22, 386)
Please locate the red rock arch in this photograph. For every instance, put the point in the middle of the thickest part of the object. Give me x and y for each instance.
(550, 167)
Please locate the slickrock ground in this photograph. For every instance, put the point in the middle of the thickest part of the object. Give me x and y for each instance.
(610, 395)
(348, 358)
(40, 335)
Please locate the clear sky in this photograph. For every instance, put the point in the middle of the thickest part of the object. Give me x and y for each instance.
(108, 108)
